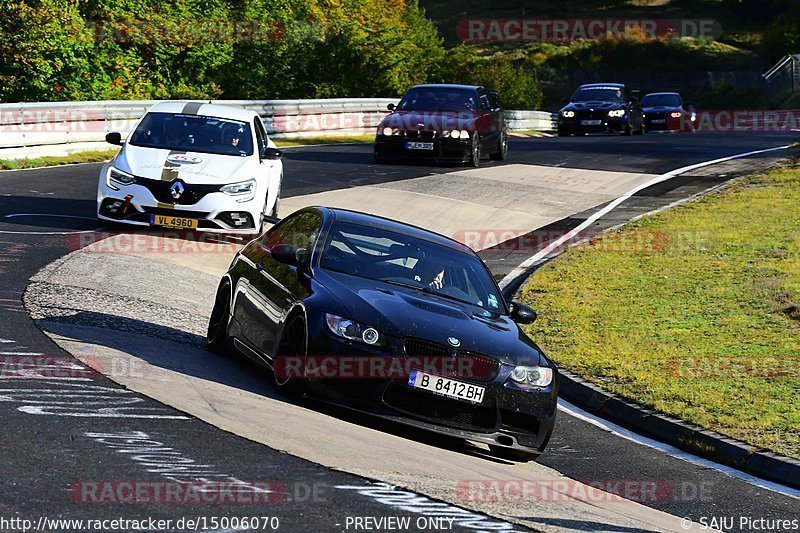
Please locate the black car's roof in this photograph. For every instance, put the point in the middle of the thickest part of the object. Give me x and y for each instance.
(447, 86)
(375, 221)
(602, 85)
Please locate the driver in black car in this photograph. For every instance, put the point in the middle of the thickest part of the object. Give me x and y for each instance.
(431, 274)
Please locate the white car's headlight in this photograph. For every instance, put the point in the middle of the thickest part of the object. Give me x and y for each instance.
(616, 113)
(242, 187)
(352, 330)
(116, 177)
(568, 113)
(536, 376)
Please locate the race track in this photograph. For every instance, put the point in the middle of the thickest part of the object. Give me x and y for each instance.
(136, 310)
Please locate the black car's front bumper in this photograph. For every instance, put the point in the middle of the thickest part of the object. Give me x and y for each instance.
(592, 124)
(445, 149)
(510, 415)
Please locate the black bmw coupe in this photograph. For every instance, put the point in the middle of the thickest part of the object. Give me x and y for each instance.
(389, 319)
(601, 108)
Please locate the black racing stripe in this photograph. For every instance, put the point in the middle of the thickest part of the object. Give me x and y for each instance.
(191, 108)
(166, 173)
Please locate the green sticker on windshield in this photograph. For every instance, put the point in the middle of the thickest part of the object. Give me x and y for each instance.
(493, 301)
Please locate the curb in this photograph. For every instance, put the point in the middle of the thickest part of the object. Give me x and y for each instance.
(682, 435)
(649, 423)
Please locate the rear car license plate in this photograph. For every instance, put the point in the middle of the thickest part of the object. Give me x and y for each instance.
(411, 145)
(446, 387)
(590, 122)
(173, 222)
(659, 121)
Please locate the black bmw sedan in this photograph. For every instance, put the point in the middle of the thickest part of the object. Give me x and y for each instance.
(443, 123)
(388, 319)
(601, 108)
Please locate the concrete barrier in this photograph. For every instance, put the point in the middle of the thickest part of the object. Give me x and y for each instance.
(59, 128)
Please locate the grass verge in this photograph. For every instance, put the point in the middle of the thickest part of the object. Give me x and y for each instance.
(51, 161)
(328, 139)
(694, 312)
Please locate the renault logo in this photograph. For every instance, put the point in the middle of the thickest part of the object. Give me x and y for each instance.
(454, 342)
(177, 189)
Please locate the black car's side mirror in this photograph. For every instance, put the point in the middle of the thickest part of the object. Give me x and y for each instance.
(565, 100)
(391, 107)
(114, 137)
(521, 313)
(272, 153)
(288, 254)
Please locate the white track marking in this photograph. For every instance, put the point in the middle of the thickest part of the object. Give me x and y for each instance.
(21, 353)
(619, 431)
(14, 215)
(541, 254)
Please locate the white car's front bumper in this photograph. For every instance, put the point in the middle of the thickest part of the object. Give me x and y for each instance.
(137, 204)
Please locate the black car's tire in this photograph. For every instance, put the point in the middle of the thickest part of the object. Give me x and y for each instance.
(628, 131)
(475, 151)
(217, 333)
(640, 131)
(293, 344)
(512, 454)
(502, 148)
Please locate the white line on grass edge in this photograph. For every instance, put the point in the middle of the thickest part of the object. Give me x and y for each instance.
(609, 426)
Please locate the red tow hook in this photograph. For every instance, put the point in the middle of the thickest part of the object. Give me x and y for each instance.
(127, 204)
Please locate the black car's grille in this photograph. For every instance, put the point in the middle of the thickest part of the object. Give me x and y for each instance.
(440, 410)
(419, 348)
(445, 361)
(657, 115)
(477, 367)
(424, 135)
(190, 196)
(591, 114)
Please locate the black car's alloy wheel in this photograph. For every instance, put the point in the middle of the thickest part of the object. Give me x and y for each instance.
(502, 148)
(217, 334)
(475, 152)
(293, 344)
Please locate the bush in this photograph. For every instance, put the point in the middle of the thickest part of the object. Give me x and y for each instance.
(517, 86)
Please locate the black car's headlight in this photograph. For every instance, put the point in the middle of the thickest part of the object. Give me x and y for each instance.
(616, 113)
(118, 177)
(568, 113)
(676, 114)
(388, 132)
(354, 331)
(535, 376)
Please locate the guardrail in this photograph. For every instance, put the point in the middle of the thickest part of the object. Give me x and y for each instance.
(58, 128)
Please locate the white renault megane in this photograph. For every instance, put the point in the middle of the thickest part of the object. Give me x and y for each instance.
(191, 165)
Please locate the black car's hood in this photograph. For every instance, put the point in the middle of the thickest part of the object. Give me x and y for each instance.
(402, 312)
(594, 104)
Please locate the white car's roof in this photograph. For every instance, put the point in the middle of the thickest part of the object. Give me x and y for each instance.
(205, 109)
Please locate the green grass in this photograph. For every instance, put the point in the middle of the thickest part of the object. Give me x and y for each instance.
(694, 312)
(327, 139)
(50, 161)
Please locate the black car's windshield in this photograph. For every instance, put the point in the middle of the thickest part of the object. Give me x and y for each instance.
(598, 94)
(193, 133)
(407, 261)
(438, 99)
(658, 100)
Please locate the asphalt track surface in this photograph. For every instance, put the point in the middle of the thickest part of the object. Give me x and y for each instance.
(45, 454)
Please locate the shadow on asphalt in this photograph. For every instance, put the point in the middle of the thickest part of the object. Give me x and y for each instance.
(234, 371)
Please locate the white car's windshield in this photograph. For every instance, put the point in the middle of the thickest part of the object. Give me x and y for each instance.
(194, 133)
